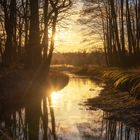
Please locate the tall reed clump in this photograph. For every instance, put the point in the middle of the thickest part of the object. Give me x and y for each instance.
(124, 81)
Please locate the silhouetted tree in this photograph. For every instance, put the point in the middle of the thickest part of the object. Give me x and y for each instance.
(29, 27)
(120, 29)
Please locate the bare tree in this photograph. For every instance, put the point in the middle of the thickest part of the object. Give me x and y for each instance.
(120, 30)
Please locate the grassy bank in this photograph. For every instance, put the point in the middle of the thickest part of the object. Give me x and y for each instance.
(123, 80)
(120, 95)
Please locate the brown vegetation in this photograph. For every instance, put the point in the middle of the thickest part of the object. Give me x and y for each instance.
(122, 106)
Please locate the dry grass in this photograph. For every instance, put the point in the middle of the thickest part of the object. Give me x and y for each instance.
(123, 80)
(124, 107)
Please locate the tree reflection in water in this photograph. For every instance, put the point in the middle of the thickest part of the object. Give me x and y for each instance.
(30, 122)
(34, 119)
(115, 130)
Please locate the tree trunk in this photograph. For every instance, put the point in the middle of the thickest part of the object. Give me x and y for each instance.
(34, 52)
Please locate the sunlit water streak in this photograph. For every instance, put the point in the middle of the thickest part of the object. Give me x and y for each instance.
(73, 120)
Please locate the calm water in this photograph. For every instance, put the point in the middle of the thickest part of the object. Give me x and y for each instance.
(75, 122)
(68, 118)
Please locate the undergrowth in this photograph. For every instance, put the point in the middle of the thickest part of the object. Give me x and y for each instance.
(124, 81)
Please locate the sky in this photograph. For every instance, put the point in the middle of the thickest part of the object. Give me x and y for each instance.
(69, 38)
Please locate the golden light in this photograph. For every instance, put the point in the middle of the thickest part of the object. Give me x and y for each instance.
(56, 38)
(59, 36)
(55, 97)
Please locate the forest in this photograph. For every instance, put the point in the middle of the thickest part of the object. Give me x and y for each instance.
(118, 22)
(69, 69)
(28, 29)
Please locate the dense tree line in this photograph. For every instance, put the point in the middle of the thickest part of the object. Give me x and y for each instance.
(27, 30)
(79, 58)
(120, 23)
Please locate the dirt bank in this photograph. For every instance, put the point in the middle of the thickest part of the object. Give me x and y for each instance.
(121, 105)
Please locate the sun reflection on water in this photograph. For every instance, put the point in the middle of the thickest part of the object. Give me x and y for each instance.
(71, 117)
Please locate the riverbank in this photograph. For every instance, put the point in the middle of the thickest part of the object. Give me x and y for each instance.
(120, 95)
(15, 95)
(121, 105)
(14, 85)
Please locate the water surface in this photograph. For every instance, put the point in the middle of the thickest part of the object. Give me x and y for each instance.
(63, 116)
(75, 122)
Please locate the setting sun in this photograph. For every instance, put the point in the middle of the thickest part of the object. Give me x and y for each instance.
(55, 97)
(69, 69)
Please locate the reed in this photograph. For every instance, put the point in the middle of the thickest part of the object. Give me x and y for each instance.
(124, 81)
